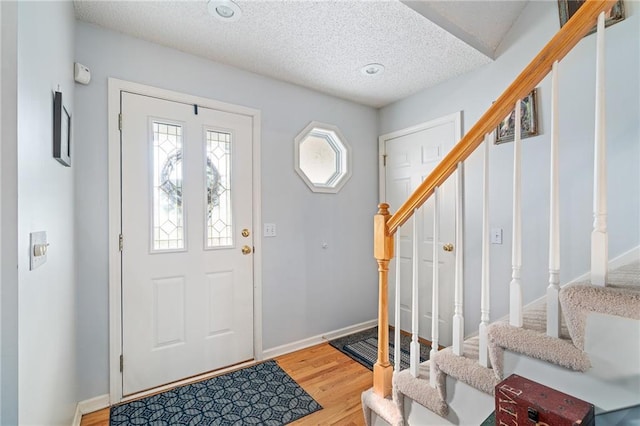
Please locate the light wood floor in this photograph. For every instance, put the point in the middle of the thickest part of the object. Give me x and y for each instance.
(329, 376)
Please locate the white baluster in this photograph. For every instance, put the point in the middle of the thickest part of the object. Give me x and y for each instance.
(599, 236)
(458, 314)
(553, 291)
(435, 314)
(484, 296)
(415, 314)
(515, 288)
(396, 337)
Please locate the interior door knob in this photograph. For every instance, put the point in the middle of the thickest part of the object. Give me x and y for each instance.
(246, 250)
(447, 247)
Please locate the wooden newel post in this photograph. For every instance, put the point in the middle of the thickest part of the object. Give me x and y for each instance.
(383, 252)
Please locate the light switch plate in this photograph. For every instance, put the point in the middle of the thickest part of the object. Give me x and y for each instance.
(37, 238)
(269, 230)
(496, 235)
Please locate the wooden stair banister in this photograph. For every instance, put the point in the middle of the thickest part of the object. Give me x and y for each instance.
(385, 224)
(564, 40)
(383, 252)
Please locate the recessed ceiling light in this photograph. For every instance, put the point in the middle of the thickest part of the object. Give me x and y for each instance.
(224, 10)
(372, 69)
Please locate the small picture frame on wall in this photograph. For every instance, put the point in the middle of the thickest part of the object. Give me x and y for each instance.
(61, 131)
(567, 8)
(505, 132)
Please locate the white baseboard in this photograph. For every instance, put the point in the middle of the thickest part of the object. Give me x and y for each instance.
(350, 330)
(89, 406)
(316, 340)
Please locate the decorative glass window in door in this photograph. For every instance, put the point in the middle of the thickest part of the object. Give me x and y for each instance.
(218, 190)
(168, 209)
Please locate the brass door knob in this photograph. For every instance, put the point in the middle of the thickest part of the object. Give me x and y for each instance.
(447, 247)
(246, 250)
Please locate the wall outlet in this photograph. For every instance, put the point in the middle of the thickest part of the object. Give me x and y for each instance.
(496, 235)
(269, 230)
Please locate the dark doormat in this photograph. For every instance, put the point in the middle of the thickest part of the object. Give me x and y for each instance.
(261, 394)
(363, 347)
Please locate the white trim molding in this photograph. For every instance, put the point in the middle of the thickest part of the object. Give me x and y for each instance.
(115, 87)
(316, 340)
(89, 406)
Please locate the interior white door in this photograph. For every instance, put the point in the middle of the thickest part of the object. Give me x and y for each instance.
(187, 283)
(410, 156)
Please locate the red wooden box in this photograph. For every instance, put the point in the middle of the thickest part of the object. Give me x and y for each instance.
(522, 402)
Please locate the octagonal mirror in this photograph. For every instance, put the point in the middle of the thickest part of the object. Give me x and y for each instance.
(322, 157)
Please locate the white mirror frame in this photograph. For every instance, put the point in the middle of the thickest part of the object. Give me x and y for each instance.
(340, 146)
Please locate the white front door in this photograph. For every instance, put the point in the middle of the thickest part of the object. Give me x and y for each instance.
(187, 283)
(411, 154)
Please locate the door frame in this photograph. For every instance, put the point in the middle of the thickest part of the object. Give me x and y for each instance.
(115, 87)
(455, 118)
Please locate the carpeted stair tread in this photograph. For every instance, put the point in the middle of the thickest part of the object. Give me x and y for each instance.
(578, 300)
(466, 368)
(626, 276)
(419, 389)
(385, 408)
(535, 344)
(534, 317)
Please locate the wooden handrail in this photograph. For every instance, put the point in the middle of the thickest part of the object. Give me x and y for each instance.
(561, 44)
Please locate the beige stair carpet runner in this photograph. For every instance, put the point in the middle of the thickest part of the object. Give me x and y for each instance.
(621, 297)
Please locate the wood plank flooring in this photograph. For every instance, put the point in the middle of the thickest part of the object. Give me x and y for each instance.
(329, 376)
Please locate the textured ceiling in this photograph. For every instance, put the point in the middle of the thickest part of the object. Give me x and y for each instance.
(322, 44)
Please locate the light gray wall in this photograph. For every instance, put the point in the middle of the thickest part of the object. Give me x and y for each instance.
(8, 215)
(306, 290)
(47, 301)
(474, 92)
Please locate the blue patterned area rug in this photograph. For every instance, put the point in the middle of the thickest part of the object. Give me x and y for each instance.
(262, 394)
(363, 347)
(366, 351)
